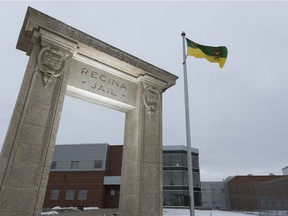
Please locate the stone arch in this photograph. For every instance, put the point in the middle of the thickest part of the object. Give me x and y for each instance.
(65, 61)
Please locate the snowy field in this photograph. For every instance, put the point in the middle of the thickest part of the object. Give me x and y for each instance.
(177, 212)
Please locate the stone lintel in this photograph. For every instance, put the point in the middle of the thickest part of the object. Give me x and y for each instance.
(35, 19)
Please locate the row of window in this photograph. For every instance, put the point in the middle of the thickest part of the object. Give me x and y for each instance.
(179, 178)
(179, 160)
(176, 198)
(169, 160)
(213, 191)
(69, 195)
(74, 165)
(180, 198)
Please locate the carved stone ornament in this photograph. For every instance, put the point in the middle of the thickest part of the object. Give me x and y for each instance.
(151, 98)
(51, 63)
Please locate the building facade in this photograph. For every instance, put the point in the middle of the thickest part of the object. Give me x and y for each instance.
(175, 176)
(90, 175)
(215, 195)
(245, 191)
(86, 175)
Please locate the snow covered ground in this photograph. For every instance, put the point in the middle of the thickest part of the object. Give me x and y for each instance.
(186, 212)
(177, 212)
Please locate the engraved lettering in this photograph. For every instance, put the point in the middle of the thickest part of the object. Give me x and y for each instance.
(115, 82)
(123, 86)
(94, 74)
(103, 78)
(106, 84)
(101, 88)
(113, 93)
(84, 71)
(93, 86)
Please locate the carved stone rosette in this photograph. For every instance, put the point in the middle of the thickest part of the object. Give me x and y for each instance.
(151, 99)
(51, 63)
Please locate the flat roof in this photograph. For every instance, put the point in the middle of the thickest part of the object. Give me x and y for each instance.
(178, 147)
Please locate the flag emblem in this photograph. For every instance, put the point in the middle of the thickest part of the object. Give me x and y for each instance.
(212, 54)
(217, 52)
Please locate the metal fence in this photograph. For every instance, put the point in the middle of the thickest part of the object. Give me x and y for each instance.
(272, 197)
(268, 198)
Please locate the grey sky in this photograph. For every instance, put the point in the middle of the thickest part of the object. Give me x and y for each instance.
(239, 115)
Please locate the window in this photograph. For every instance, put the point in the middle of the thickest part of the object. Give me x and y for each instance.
(166, 160)
(117, 193)
(185, 178)
(112, 193)
(196, 179)
(82, 194)
(74, 164)
(177, 177)
(185, 164)
(167, 198)
(54, 195)
(195, 162)
(53, 165)
(166, 177)
(177, 160)
(176, 198)
(98, 164)
(70, 195)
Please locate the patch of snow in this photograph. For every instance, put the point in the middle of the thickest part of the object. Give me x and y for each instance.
(65, 208)
(90, 208)
(166, 212)
(49, 213)
(57, 208)
(186, 212)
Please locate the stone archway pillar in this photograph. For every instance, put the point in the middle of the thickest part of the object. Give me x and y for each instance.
(64, 60)
(141, 176)
(28, 148)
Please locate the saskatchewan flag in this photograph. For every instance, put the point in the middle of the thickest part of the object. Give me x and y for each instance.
(212, 54)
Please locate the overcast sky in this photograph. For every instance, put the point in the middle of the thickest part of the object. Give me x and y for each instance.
(239, 115)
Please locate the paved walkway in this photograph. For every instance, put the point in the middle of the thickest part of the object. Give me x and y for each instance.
(98, 212)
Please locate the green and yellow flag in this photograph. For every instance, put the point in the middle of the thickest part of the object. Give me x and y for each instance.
(212, 54)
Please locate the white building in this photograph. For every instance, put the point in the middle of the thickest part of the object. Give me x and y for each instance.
(215, 195)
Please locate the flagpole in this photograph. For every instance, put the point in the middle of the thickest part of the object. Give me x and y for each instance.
(188, 136)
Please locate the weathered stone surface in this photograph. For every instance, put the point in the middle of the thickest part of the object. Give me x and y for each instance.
(150, 205)
(24, 153)
(63, 61)
(29, 133)
(23, 201)
(21, 174)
